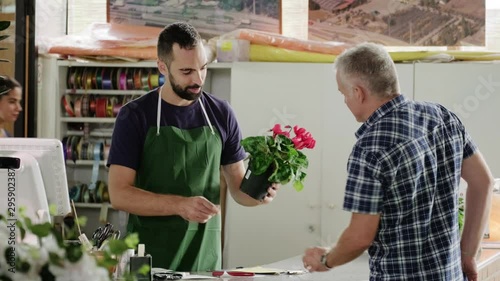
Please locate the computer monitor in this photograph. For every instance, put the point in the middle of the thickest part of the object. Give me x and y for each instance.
(33, 176)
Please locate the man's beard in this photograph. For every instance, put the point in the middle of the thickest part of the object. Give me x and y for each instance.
(184, 93)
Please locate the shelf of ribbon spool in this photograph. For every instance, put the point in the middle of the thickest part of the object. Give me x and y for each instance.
(80, 151)
(145, 63)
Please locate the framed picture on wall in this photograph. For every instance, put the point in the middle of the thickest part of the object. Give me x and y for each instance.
(399, 22)
(210, 17)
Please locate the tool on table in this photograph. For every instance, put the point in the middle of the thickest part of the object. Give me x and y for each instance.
(219, 273)
(102, 234)
(167, 276)
(83, 238)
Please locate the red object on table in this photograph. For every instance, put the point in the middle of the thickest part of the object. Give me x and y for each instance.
(232, 273)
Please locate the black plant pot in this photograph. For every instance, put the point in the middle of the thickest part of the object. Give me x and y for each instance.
(256, 185)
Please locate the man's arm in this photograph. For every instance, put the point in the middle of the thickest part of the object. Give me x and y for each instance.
(480, 182)
(234, 173)
(125, 196)
(355, 239)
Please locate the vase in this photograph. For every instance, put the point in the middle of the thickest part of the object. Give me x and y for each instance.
(256, 186)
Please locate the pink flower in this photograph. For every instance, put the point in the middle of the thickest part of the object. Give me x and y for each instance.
(277, 131)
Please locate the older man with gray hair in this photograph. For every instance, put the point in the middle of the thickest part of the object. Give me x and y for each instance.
(403, 180)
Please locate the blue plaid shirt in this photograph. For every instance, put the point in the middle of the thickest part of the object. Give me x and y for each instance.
(406, 166)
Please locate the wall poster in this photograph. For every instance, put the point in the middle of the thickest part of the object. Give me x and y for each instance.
(210, 17)
(399, 22)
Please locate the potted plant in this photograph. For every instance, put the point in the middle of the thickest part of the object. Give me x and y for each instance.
(276, 158)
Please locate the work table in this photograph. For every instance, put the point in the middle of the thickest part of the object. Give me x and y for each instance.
(357, 270)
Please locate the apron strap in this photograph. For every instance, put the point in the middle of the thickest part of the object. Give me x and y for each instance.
(158, 113)
(206, 117)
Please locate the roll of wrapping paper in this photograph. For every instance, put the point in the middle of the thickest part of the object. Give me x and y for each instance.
(114, 78)
(100, 107)
(122, 78)
(116, 108)
(145, 79)
(110, 104)
(90, 151)
(85, 105)
(100, 190)
(98, 78)
(106, 151)
(154, 79)
(85, 194)
(64, 141)
(87, 78)
(78, 107)
(106, 79)
(71, 78)
(137, 79)
(74, 143)
(92, 106)
(269, 53)
(68, 147)
(130, 78)
(67, 102)
(78, 78)
(79, 148)
(84, 156)
(75, 192)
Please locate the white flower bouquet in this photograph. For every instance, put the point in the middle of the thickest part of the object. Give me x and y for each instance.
(37, 252)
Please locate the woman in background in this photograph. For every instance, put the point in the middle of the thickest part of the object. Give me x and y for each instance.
(10, 102)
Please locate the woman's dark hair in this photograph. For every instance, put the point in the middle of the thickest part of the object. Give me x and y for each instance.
(7, 84)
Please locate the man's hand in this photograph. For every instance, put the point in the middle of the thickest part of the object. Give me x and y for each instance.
(197, 209)
(469, 267)
(312, 259)
(271, 193)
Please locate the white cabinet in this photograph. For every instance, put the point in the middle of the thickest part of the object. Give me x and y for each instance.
(304, 94)
(472, 91)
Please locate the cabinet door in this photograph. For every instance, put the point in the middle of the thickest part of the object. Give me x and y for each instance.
(338, 129)
(263, 94)
(472, 91)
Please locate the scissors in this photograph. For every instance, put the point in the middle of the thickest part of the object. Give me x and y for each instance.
(103, 233)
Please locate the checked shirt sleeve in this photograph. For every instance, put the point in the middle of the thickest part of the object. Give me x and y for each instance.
(363, 192)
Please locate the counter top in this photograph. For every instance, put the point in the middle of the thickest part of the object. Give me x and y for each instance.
(356, 270)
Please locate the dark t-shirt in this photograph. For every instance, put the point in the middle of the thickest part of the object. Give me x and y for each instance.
(138, 116)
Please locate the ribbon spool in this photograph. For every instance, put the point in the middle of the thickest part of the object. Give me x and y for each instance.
(67, 103)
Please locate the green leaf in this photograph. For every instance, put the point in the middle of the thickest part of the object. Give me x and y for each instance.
(55, 259)
(74, 252)
(41, 230)
(298, 185)
(117, 246)
(132, 240)
(4, 25)
(144, 269)
(22, 266)
(3, 37)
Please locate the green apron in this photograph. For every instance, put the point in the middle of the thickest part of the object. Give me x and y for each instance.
(185, 163)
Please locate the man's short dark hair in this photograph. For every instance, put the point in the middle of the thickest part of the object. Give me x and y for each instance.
(181, 33)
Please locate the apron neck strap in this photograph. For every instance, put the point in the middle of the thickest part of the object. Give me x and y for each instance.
(158, 115)
(206, 116)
